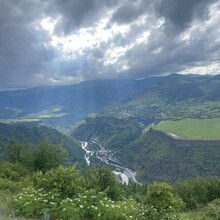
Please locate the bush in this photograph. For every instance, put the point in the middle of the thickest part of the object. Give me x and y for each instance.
(92, 205)
(65, 181)
(88, 205)
(103, 180)
(32, 202)
(213, 210)
(198, 192)
(161, 197)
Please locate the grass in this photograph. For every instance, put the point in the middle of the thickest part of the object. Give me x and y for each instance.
(50, 113)
(191, 129)
(8, 121)
(193, 215)
(55, 112)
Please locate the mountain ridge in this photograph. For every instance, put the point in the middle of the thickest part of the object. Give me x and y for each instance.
(68, 103)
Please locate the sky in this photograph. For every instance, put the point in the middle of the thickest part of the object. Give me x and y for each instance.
(58, 42)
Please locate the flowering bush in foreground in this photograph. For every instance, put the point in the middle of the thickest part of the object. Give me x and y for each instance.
(33, 202)
(90, 206)
(65, 196)
(87, 205)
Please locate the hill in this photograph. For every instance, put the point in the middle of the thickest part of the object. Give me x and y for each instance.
(157, 157)
(36, 133)
(173, 97)
(188, 101)
(152, 154)
(111, 131)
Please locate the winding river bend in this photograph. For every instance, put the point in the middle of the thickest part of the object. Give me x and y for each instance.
(88, 153)
(107, 157)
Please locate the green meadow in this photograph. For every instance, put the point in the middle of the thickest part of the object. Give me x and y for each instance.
(191, 129)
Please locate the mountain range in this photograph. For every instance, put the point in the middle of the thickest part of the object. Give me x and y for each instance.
(155, 97)
(63, 105)
(120, 114)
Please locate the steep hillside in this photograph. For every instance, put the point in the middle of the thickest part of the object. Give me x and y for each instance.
(110, 131)
(35, 133)
(157, 157)
(152, 154)
(173, 97)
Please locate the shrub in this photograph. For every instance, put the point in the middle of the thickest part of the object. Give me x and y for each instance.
(213, 210)
(161, 197)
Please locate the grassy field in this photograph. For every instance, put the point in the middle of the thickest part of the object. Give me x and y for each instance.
(22, 120)
(191, 129)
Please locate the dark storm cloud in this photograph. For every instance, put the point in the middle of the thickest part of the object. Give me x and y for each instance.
(163, 42)
(179, 14)
(128, 11)
(22, 54)
(176, 55)
(24, 59)
(77, 13)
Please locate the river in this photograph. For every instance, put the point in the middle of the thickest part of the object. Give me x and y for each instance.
(106, 156)
(88, 153)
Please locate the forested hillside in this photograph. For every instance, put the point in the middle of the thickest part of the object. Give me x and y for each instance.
(153, 154)
(173, 97)
(34, 133)
(157, 157)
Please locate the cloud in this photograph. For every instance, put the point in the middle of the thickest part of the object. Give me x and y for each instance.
(77, 14)
(22, 55)
(55, 42)
(180, 14)
(129, 11)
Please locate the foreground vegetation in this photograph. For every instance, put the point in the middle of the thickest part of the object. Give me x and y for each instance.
(66, 193)
(192, 129)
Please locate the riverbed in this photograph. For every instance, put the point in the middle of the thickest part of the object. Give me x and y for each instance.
(106, 156)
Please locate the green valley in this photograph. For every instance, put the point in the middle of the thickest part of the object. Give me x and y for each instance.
(109, 110)
(187, 107)
(167, 132)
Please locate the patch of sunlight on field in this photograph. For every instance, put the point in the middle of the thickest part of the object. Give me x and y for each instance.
(8, 121)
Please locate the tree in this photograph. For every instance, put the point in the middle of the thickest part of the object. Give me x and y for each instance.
(198, 192)
(12, 171)
(42, 156)
(65, 181)
(20, 152)
(103, 180)
(160, 196)
(49, 156)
